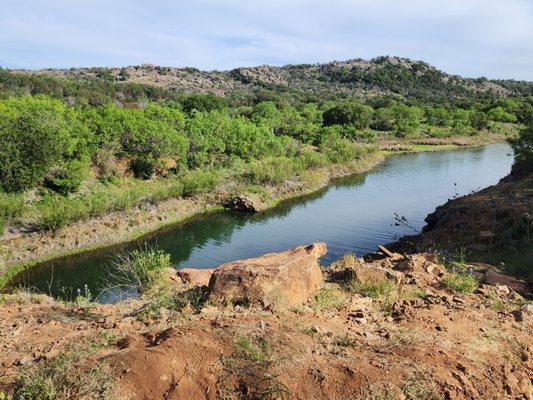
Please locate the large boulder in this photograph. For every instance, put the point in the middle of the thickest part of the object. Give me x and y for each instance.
(368, 273)
(276, 280)
(246, 203)
(493, 278)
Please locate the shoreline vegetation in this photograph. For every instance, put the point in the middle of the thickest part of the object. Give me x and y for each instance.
(123, 226)
(93, 158)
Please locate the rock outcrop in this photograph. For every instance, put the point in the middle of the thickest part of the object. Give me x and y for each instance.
(276, 280)
(493, 278)
(245, 203)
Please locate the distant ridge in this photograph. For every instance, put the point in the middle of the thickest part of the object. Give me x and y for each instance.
(357, 77)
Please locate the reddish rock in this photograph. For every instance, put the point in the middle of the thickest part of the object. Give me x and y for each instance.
(278, 280)
(196, 277)
(495, 279)
(170, 275)
(371, 273)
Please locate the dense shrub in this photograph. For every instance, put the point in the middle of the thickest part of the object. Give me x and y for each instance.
(338, 149)
(349, 113)
(202, 102)
(523, 149)
(499, 114)
(400, 119)
(149, 137)
(36, 134)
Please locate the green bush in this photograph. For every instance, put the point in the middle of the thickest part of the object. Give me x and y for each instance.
(461, 283)
(339, 150)
(349, 113)
(141, 268)
(499, 114)
(200, 181)
(523, 149)
(67, 178)
(37, 134)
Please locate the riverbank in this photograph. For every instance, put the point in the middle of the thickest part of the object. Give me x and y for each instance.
(398, 327)
(494, 225)
(27, 249)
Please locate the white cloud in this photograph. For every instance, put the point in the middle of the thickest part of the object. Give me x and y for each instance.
(469, 37)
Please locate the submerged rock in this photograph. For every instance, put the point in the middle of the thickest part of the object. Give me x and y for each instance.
(276, 280)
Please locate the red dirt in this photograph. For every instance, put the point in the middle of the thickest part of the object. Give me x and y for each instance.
(449, 345)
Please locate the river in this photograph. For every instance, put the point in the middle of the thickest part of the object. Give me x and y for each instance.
(353, 214)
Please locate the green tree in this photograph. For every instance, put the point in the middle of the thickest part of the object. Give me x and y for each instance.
(202, 102)
(498, 114)
(479, 120)
(36, 135)
(523, 149)
(349, 113)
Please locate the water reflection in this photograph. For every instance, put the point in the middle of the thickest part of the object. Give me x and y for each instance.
(352, 215)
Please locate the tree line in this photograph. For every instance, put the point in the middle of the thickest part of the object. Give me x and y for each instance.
(46, 142)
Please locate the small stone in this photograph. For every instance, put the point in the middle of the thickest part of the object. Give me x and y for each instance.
(24, 360)
(502, 289)
(356, 314)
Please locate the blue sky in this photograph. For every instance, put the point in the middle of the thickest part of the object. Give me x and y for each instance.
(467, 37)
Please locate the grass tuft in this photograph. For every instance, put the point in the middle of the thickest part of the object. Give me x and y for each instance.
(461, 283)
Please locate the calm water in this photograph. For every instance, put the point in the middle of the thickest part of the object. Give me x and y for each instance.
(352, 215)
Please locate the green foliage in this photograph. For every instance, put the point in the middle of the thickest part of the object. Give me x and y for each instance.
(461, 283)
(400, 119)
(149, 137)
(349, 113)
(202, 102)
(36, 134)
(499, 114)
(338, 149)
(142, 268)
(479, 120)
(523, 149)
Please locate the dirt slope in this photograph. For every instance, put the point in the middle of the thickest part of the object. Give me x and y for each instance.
(417, 341)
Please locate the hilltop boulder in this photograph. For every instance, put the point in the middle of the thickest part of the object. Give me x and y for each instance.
(276, 280)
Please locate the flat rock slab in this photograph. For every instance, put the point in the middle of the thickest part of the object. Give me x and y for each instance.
(276, 280)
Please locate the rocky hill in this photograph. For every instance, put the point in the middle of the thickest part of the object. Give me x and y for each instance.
(383, 75)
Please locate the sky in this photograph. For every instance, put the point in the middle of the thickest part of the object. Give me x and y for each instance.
(492, 38)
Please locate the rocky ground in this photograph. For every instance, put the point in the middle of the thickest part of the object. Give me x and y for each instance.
(494, 225)
(281, 327)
